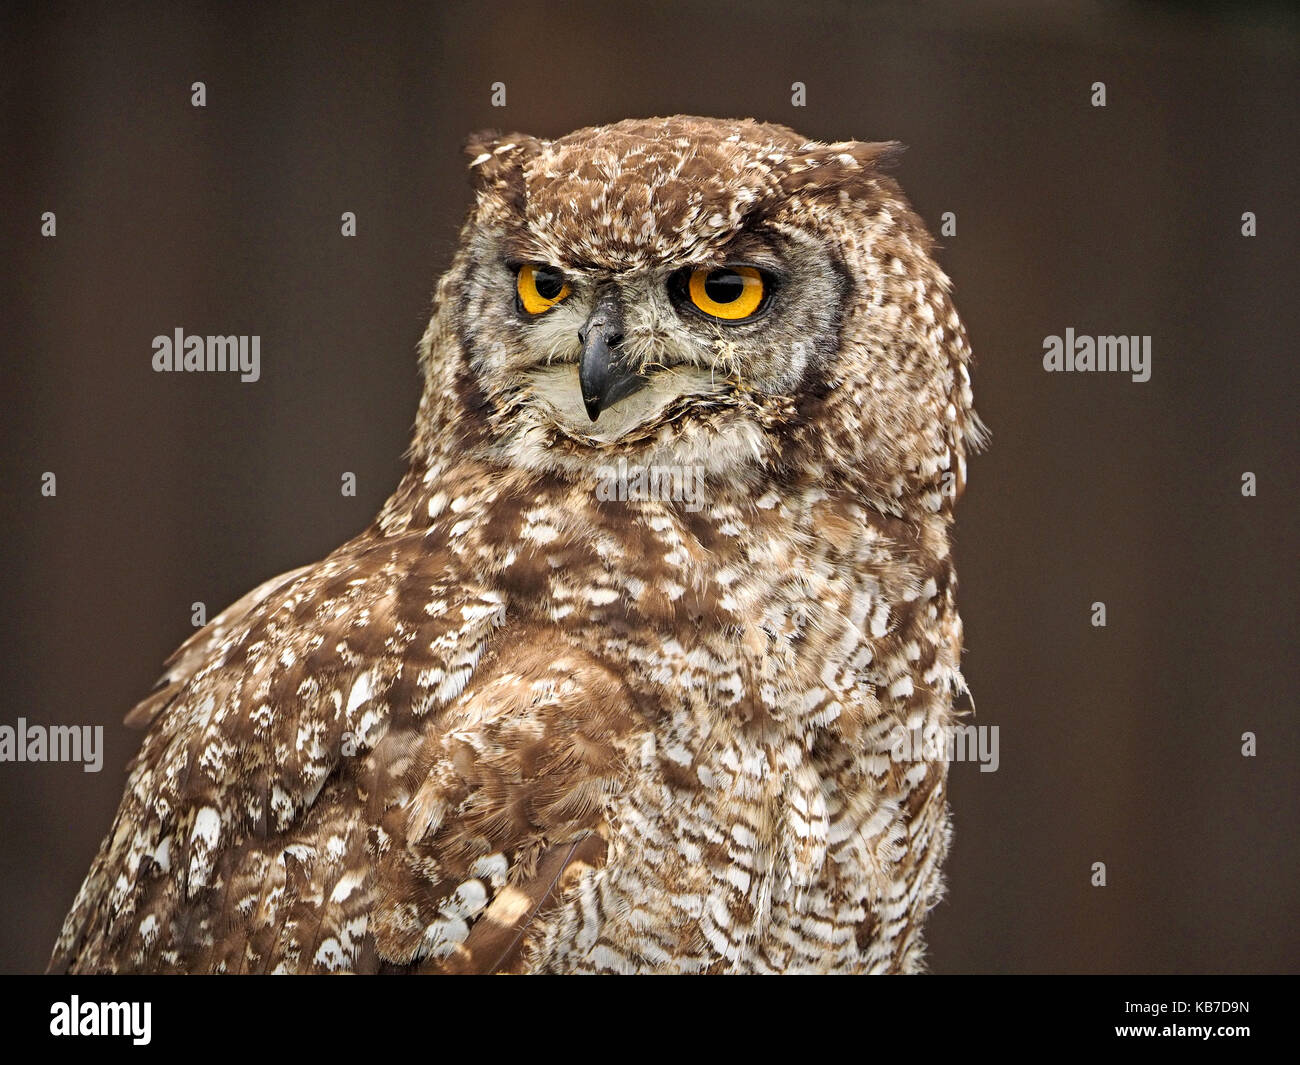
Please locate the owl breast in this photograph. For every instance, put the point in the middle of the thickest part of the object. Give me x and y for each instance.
(756, 856)
(764, 824)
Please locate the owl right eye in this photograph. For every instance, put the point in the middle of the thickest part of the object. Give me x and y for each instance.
(540, 288)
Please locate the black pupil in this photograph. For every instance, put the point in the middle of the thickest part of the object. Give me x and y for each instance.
(549, 283)
(724, 286)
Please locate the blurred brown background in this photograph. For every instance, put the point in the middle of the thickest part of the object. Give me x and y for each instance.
(1119, 744)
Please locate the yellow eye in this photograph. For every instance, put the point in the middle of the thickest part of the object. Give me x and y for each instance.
(729, 292)
(540, 288)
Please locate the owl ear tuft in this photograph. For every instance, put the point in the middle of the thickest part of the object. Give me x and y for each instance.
(496, 159)
(842, 166)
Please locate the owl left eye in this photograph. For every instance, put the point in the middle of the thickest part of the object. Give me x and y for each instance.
(727, 293)
(540, 288)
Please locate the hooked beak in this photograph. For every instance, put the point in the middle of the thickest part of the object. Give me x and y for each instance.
(601, 372)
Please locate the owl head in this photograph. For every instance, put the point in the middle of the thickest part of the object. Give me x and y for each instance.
(686, 291)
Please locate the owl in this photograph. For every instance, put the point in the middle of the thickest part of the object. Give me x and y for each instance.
(613, 682)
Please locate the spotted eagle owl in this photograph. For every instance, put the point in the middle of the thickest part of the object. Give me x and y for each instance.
(613, 682)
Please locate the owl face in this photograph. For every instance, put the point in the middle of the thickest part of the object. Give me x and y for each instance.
(601, 353)
(698, 292)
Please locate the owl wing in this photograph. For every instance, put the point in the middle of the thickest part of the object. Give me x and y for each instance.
(326, 784)
(509, 812)
(195, 652)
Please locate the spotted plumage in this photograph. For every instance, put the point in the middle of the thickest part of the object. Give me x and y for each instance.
(518, 725)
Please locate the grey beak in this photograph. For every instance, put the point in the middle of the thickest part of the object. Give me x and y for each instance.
(601, 372)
